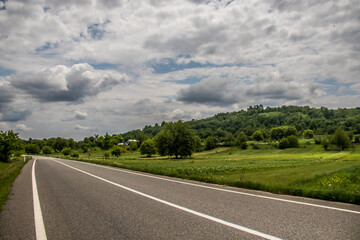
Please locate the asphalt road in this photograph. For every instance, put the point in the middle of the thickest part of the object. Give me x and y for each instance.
(84, 201)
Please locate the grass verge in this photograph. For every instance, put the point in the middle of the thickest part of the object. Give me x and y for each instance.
(8, 173)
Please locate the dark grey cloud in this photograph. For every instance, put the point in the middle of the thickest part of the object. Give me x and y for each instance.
(211, 91)
(62, 84)
(6, 96)
(14, 116)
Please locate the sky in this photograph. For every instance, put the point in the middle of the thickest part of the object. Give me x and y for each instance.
(76, 68)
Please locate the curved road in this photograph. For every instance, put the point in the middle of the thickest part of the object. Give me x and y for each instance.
(62, 199)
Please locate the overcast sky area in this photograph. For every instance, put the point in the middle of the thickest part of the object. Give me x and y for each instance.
(75, 68)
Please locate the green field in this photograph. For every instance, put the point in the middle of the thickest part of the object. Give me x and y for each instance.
(8, 173)
(305, 171)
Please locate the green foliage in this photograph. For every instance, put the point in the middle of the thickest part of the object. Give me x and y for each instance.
(258, 135)
(176, 139)
(325, 141)
(241, 138)
(116, 151)
(278, 133)
(32, 149)
(66, 151)
(9, 141)
(283, 143)
(209, 143)
(74, 154)
(340, 139)
(291, 141)
(60, 144)
(133, 146)
(357, 139)
(47, 150)
(243, 145)
(106, 155)
(308, 134)
(148, 148)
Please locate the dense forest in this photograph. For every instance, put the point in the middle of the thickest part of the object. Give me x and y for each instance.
(321, 120)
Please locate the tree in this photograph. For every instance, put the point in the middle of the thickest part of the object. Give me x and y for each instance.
(229, 139)
(9, 141)
(133, 146)
(258, 135)
(241, 138)
(340, 139)
(32, 149)
(47, 150)
(148, 147)
(176, 139)
(116, 151)
(209, 143)
(293, 141)
(308, 134)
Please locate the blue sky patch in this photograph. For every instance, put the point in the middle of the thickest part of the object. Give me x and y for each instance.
(333, 87)
(6, 71)
(168, 65)
(189, 80)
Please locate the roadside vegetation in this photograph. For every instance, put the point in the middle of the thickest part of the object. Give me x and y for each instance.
(291, 150)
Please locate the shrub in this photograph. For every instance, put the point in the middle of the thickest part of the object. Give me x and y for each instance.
(284, 143)
(106, 155)
(116, 151)
(66, 151)
(209, 143)
(47, 150)
(357, 139)
(317, 140)
(308, 134)
(293, 141)
(32, 149)
(255, 147)
(244, 145)
(74, 154)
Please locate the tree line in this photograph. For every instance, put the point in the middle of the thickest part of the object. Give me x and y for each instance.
(283, 125)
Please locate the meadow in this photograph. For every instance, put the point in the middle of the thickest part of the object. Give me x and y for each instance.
(307, 171)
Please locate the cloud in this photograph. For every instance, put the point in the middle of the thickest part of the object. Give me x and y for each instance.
(80, 115)
(63, 84)
(22, 127)
(79, 127)
(7, 96)
(15, 115)
(213, 91)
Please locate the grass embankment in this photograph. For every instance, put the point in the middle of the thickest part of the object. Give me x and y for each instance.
(307, 171)
(8, 172)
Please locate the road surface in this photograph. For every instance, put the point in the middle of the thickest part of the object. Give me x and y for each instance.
(62, 199)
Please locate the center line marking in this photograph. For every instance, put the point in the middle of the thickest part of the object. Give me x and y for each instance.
(211, 218)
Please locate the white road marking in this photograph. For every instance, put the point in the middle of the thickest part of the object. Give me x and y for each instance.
(211, 218)
(227, 190)
(39, 222)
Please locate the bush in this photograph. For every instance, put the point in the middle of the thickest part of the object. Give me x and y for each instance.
(32, 149)
(284, 143)
(209, 143)
(293, 141)
(116, 151)
(47, 150)
(66, 151)
(308, 134)
(106, 155)
(74, 154)
(255, 147)
(244, 145)
(357, 139)
(318, 141)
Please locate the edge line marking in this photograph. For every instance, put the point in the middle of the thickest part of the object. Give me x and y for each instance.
(39, 221)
